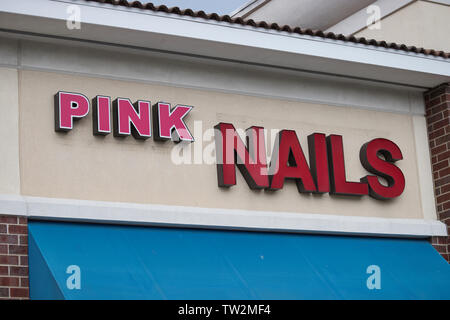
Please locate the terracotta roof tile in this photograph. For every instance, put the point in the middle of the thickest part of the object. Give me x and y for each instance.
(272, 26)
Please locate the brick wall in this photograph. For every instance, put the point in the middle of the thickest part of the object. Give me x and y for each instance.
(13, 258)
(437, 104)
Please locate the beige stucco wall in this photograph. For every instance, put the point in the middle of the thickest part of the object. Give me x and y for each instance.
(9, 131)
(421, 24)
(82, 166)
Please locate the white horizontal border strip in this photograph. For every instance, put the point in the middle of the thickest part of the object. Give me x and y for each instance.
(165, 215)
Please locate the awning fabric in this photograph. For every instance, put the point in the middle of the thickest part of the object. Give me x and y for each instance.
(128, 262)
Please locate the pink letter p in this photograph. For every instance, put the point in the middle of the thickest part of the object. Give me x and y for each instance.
(69, 106)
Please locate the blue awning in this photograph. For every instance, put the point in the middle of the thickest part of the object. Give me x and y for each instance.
(127, 262)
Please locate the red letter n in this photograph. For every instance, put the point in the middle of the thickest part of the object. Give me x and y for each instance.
(231, 152)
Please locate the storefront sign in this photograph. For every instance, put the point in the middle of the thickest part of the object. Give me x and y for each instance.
(128, 118)
(324, 174)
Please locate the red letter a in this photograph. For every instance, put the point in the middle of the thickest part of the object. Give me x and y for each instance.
(288, 162)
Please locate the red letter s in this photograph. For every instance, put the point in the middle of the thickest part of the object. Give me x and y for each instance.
(369, 156)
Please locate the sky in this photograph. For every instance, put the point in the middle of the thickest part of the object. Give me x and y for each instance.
(209, 6)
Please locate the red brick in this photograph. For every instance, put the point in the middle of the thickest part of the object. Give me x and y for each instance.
(3, 228)
(443, 139)
(23, 240)
(439, 149)
(17, 229)
(4, 270)
(446, 206)
(441, 240)
(10, 239)
(443, 198)
(434, 160)
(14, 281)
(444, 215)
(23, 260)
(443, 156)
(440, 165)
(440, 248)
(19, 293)
(9, 282)
(437, 133)
(434, 118)
(433, 101)
(444, 172)
(438, 108)
(18, 249)
(19, 271)
(4, 292)
(11, 260)
(441, 124)
(8, 219)
(24, 282)
(444, 95)
(436, 92)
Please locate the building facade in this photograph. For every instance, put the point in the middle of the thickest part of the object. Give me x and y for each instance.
(126, 172)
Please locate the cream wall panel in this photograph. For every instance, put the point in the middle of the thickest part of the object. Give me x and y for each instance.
(9, 131)
(78, 165)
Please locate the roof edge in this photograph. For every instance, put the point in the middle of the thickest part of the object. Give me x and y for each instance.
(272, 26)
